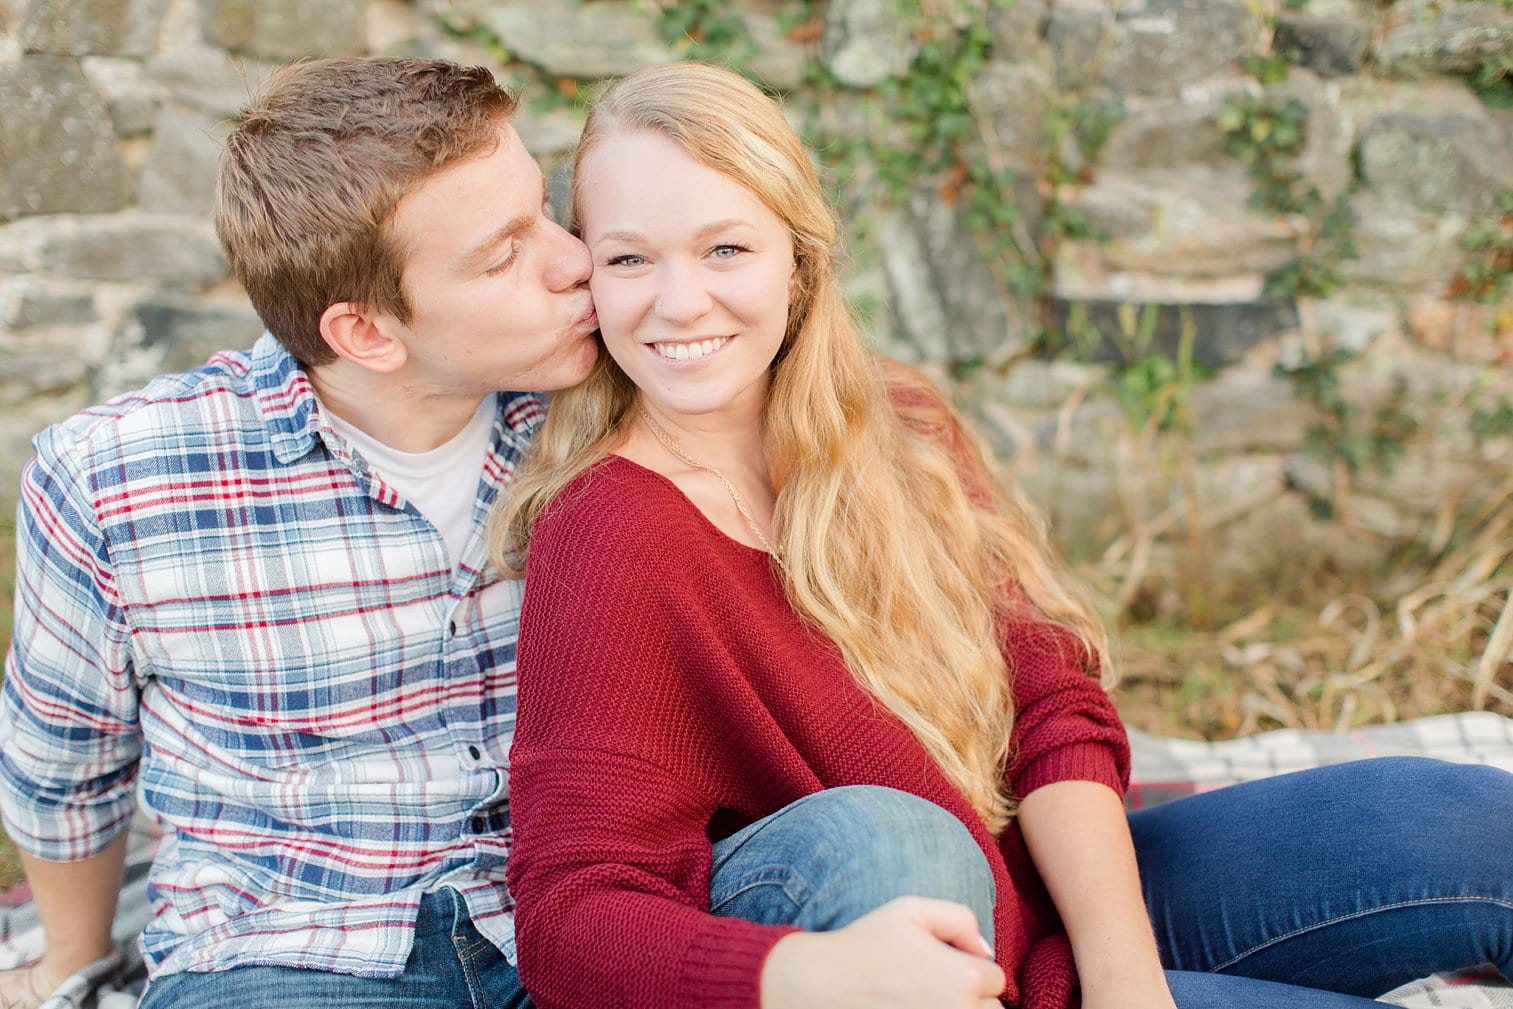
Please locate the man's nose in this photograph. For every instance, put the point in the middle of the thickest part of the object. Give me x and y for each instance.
(570, 262)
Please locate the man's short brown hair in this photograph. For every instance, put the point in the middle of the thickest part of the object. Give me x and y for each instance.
(309, 181)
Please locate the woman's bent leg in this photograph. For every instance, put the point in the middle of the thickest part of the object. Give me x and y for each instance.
(829, 858)
(1354, 878)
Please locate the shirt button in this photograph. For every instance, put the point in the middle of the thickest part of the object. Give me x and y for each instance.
(475, 753)
(479, 823)
(451, 628)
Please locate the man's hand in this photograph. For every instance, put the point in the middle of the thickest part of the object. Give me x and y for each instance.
(28, 987)
(911, 953)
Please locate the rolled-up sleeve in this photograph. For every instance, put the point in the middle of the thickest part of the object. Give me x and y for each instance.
(1065, 726)
(68, 710)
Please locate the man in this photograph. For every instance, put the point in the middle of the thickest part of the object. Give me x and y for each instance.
(256, 595)
(257, 592)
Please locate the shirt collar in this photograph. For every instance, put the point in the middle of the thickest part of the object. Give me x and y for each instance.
(285, 398)
(290, 409)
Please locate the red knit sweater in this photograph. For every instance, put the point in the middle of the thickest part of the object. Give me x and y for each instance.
(670, 695)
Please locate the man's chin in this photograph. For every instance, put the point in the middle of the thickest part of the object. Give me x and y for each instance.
(576, 372)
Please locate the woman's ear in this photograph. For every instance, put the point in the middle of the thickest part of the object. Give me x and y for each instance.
(363, 336)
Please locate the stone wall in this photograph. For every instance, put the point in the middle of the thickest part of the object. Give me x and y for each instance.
(1186, 358)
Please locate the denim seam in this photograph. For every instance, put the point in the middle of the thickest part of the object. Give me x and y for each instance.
(465, 960)
(793, 886)
(1398, 905)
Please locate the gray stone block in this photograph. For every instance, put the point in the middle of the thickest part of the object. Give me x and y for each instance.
(1325, 160)
(1222, 333)
(1401, 248)
(1039, 384)
(179, 176)
(208, 79)
(865, 42)
(1160, 45)
(1330, 47)
(1166, 134)
(778, 61)
(1017, 27)
(1016, 100)
(130, 97)
(1078, 34)
(571, 38)
(284, 29)
(947, 303)
(1202, 242)
(1457, 41)
(554, 131)
(129, 247)
(391, 26)
(56, 142)
(85, 27)
(1248, 411)
(27, 302)
(1437, 162)
(186, 332)
(39, 373)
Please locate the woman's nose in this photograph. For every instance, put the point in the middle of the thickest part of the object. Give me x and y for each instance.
(682, 298)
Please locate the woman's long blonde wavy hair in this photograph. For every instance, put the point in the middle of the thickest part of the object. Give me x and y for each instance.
(899, 542)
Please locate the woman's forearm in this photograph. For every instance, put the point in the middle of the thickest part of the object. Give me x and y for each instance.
(1079, 839)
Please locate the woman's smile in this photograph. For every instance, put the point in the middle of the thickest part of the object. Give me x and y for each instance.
(689, 351)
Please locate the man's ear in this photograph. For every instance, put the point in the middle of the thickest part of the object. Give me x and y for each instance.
(363, 336)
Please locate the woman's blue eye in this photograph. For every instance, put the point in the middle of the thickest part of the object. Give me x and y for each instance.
(727, 251)
(625, 260)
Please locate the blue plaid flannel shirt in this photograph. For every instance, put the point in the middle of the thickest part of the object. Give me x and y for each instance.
(222, 613)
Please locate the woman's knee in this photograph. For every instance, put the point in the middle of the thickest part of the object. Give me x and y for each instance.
(1428, 780)
(894, 844)
(846, 851)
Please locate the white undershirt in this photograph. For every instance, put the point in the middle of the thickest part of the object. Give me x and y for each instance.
(442, 483)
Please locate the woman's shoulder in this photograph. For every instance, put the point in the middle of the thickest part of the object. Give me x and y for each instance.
(614, 506)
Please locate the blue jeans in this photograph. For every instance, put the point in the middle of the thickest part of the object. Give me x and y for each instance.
(1354, 878)
(1316, 890)
(451, 966)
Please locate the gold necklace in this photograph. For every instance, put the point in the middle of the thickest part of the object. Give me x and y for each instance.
(669, 443)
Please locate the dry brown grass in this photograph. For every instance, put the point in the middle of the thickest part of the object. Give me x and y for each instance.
(1433, 634)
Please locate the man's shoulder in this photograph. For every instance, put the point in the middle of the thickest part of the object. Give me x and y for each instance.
(214, 401)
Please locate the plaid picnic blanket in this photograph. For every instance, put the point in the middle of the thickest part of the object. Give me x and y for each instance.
(1163, 769)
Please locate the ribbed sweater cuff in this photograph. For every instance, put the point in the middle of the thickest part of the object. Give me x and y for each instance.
(725, 966)
(1078, 762)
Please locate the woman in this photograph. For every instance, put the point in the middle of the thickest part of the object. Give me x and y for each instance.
(765, 578)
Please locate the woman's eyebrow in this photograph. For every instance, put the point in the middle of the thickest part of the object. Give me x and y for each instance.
(714, 227)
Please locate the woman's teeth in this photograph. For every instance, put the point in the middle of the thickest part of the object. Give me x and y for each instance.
(690, 351)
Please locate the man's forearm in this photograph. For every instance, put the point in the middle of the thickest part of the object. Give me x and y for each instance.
(76, 902)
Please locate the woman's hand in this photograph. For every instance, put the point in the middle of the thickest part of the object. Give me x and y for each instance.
(911, 953)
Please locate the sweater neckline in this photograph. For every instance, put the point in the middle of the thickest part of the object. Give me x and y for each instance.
(661, 479)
